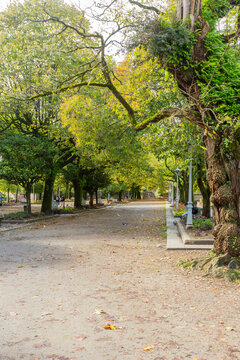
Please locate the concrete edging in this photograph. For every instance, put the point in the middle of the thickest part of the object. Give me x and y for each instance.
(187, 240)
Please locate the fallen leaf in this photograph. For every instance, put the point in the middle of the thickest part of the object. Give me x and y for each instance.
(20, 266)
(99, 311)
(148, 348)
(229, 328)
(109, 327)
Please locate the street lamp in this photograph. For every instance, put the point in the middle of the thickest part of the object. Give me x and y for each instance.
(189, 223)
(169, 193)
(177, 173)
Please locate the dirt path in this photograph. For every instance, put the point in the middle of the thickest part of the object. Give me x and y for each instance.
(57, 278)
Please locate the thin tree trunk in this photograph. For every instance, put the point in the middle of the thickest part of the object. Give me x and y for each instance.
(96, 194)
(205, 191)
(28, 198)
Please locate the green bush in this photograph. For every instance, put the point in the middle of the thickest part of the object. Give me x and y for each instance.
(202, 223)
(179, 212)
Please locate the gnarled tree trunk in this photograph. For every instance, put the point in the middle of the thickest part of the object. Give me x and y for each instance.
(223, 175)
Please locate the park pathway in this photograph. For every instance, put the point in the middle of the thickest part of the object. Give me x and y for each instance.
(63, 280)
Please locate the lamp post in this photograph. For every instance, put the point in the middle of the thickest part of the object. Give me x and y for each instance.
(172, 203)
(177, 195)
(189, 223)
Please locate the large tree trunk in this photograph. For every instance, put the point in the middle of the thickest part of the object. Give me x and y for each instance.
(47, 196)
(223, 175)
(120, 194)
(78, 193)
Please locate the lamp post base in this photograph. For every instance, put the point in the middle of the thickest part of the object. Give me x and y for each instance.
(189, 223)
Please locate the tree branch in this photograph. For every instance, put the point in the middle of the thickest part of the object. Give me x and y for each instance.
(145, 7)
(69, 87)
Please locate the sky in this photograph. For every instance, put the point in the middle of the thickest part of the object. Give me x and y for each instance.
(83, 3)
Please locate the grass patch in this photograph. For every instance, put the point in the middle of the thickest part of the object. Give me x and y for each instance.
(22, 215)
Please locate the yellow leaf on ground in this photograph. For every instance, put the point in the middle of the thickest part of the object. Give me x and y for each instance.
(99, 311)
(148, 348)
(230, 329)
(109, 327)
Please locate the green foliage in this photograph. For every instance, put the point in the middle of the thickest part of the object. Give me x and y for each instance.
(25, 159)
(215, 9)
(179, 212)
(221, 91)
(202, 223)
(171, 42)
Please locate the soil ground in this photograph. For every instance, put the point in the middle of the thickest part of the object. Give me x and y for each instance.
(63, 280)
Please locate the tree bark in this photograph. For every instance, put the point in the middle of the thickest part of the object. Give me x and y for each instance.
(120, 194)
(78, 193)
(96, 194)
(91, 199)
(205, 191)
(47, 196)
(223, 175)
(28, 198)
(189, 9)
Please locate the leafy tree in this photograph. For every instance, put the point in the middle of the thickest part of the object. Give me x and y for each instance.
(205, 67)
(95, 178)
(204, 63)
(25, 160)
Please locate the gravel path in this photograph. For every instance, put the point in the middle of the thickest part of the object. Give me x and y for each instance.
(63, 280)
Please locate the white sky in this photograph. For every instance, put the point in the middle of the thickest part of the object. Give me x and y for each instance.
(83, 3)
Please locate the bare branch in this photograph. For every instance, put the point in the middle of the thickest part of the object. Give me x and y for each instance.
(145, 7)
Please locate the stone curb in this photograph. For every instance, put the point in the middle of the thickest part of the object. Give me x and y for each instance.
(23, 221)
(187, 240)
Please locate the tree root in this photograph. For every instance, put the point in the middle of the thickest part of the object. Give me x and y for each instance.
(222, 266)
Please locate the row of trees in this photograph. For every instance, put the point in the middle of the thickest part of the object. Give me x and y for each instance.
(182, 73)
(73, 134)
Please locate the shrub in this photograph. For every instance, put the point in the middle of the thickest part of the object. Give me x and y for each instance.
(200, 222)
